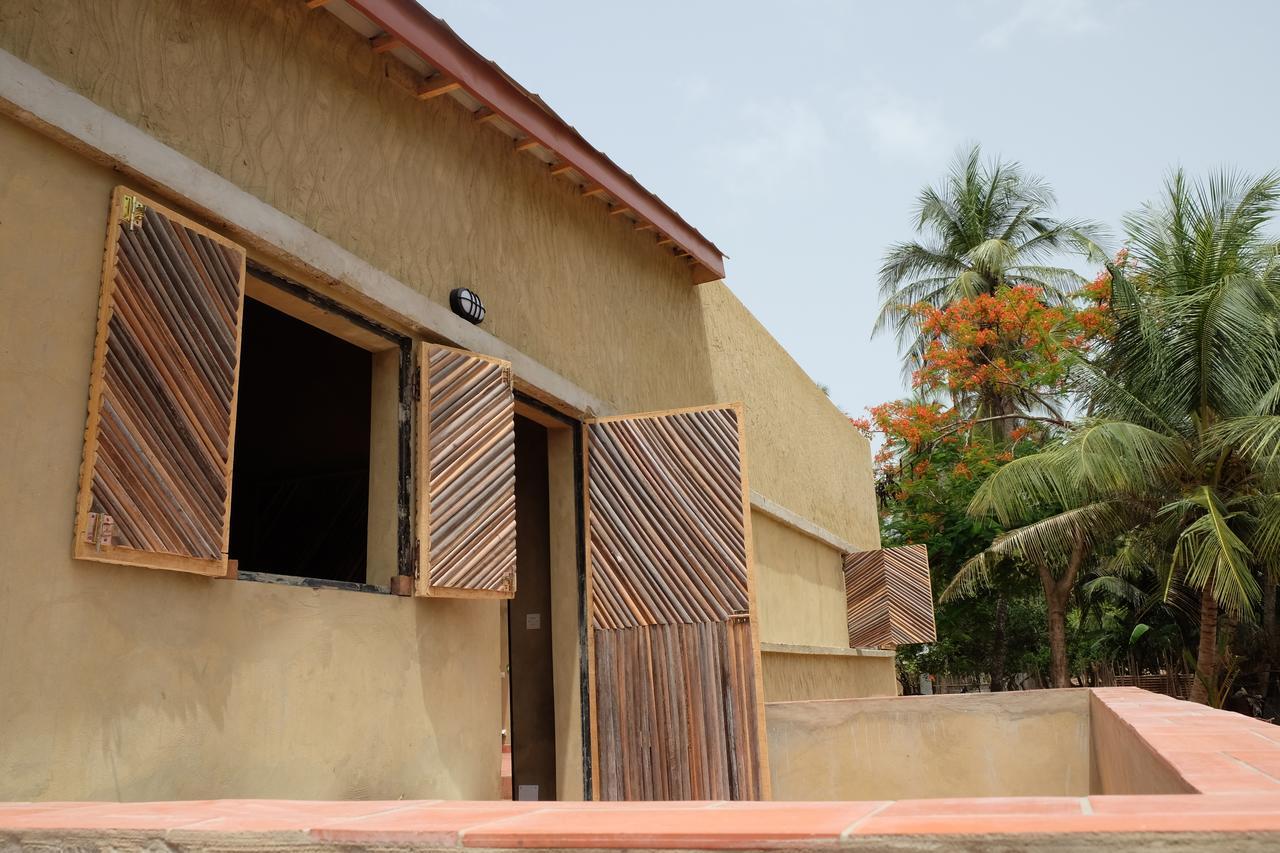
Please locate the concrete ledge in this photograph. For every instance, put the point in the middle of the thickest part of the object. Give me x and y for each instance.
(790, 649)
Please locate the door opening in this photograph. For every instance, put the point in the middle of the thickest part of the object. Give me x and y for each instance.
(531, 685)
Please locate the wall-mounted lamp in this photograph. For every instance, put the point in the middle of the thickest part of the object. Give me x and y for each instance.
(466, 304)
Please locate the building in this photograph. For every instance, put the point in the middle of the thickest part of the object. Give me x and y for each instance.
(279, 558)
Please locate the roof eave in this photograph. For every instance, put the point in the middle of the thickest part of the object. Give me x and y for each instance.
(428, 37)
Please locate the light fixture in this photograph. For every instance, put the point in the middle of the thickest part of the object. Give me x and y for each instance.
(466, 304)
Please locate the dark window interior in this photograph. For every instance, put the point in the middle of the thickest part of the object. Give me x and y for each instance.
(300, 488)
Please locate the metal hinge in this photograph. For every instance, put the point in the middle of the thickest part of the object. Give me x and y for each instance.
(131, 215)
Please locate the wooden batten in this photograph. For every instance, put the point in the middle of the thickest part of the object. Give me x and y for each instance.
(664, 240)
(316, 4)
(619, 209)
(384, 42)
(592, 190)
(644, 226)
(560, 168)
(434, 87)
(466, 475)
(484, 115)
(675, 689)
(526, 144)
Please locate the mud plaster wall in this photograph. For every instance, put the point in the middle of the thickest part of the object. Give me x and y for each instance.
(977, 745)
(791, 676)
(292, 106)
(125, 683)
(140, 684)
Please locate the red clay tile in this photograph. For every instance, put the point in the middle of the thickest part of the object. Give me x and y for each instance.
(437, 824)
(1053, 824)
(1185, 803)
(985, 806)
(725, 827)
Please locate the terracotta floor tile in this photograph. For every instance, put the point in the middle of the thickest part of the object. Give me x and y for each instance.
(1066, 824)
(1186, 803)
(985, 806)
(158, 816)
(1263, 760)
(739, 826)
(422, 824)
(302, 815)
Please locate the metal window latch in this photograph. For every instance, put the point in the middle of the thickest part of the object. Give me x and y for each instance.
(131, 215)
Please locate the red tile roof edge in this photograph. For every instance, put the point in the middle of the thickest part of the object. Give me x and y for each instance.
(443, 49)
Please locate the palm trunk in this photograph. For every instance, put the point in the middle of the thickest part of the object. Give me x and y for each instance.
(999, 644)
(1207, 654)
(1269, 639)
(1058, 673)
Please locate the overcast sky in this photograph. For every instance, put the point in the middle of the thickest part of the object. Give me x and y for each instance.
(797, 135)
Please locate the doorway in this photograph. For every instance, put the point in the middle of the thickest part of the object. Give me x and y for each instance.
(531, 682)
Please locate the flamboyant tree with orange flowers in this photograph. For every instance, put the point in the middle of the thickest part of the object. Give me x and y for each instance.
(991, 385)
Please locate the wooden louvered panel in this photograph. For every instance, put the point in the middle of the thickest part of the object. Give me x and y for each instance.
(467, 517)
(888, 597)
(677, 712)
(676, 688)
(155, 480)
(667, 527)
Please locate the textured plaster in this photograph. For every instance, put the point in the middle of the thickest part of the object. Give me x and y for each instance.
(123, 683)
(977, 745)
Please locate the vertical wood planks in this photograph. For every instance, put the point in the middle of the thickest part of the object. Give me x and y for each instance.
(674, 663)
(467, 492)
(155, 480)
(888, 597)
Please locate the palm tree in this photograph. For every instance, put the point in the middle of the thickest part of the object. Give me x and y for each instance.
(1182, 442)
(986, 227)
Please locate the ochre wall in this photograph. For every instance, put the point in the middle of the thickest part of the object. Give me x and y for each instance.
(908, 747)
(799, 587)
(1123, 763)
(793, 676)
(125, 683)
(293, 107)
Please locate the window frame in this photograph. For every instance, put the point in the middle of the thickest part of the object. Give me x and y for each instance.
(404, 447)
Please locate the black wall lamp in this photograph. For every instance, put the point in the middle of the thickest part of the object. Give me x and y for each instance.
(466, 304)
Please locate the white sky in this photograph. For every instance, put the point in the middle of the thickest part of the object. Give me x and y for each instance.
(797, 135)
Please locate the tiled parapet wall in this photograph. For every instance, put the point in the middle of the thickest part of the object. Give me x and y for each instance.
(1191, 747)
(1231, 761)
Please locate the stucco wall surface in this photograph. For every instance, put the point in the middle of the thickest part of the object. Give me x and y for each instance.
(292, 106)
(1123, 763)
(799, 587)
(975, 745)
(794, 676)
(125, 683)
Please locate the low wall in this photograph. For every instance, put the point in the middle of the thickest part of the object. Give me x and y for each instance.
(795, 673)
(973, 745)
(1122, 762)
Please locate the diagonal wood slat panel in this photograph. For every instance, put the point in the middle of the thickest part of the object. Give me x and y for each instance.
(888, 597)
(469, 529)
(666, 524)
(676, 687)
(158, 443)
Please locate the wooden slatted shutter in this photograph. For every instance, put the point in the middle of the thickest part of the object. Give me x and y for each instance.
(674, 649)
(155, 479)
(888, 597)
(466, 475)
